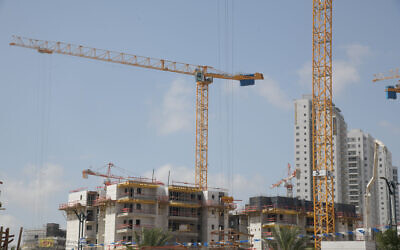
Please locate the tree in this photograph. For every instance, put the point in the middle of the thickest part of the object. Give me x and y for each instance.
(287, 238)
(151, 237)
(388, 240)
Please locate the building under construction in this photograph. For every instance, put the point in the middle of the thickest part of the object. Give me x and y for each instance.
(263, 213)
(114, 213)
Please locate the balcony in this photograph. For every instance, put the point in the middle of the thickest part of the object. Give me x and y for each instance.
(130, 212)
(188, 215)
(128, 228)
(271, 222)
(137, 198)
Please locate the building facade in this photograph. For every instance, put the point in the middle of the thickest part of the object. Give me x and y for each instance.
(115, 213)
(303, 150)
(360, 166)
(263, 213)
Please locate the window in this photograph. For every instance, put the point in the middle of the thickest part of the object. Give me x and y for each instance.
(138, 206)
(139, 190)
(212, 197)
(297, 152)
(297, 133)
(89, 227)
(212, 226)
(137, 222)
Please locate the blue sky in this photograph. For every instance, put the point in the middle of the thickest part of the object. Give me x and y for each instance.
(60, 114)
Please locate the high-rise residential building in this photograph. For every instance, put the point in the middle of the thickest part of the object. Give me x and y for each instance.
(360, 167)
(385, 170)
(303, 150)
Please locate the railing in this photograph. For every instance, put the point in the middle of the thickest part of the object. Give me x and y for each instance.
(101, 200)
(132, 227)
(189, 201)
(137, 211)
(71, 204)
(213, 203)
(183, 230)
(138, 196)
(182, 213)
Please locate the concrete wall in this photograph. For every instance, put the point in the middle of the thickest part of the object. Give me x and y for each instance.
(347, 245)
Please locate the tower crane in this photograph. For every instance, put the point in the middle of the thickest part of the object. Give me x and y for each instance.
(108, 175)
(287, 182)
(322, 121)
(391, 90)
(204, 76)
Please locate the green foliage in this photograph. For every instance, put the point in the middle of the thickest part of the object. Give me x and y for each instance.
(287, 238)
(151, 237)
(388, 240)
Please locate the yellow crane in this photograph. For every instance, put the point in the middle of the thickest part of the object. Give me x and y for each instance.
(322, 121)
(391, 90)
(204, 76)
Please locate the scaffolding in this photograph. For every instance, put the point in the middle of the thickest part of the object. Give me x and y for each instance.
(230, 238)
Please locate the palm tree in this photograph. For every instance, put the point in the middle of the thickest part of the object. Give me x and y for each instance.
(287, 238)
(388, 240)
(151, 237)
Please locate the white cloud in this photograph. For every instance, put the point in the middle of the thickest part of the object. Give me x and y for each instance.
(177, 173)
(345, 71)
(7, 220)
(177, 109)
(34, 187)
(390, 126)
(272, 92)
(267, 88)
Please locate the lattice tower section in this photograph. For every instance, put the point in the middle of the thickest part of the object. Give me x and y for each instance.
(201, 134)
(322, 121)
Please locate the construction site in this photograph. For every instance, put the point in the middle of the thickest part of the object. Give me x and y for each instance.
(338, 191)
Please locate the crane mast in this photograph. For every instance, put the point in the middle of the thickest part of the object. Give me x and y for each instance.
(204, 76)
(322, 121)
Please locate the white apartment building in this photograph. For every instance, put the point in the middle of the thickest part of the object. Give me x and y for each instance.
(303, 150)
(385, 170)
(115, 213)
(360, 167)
